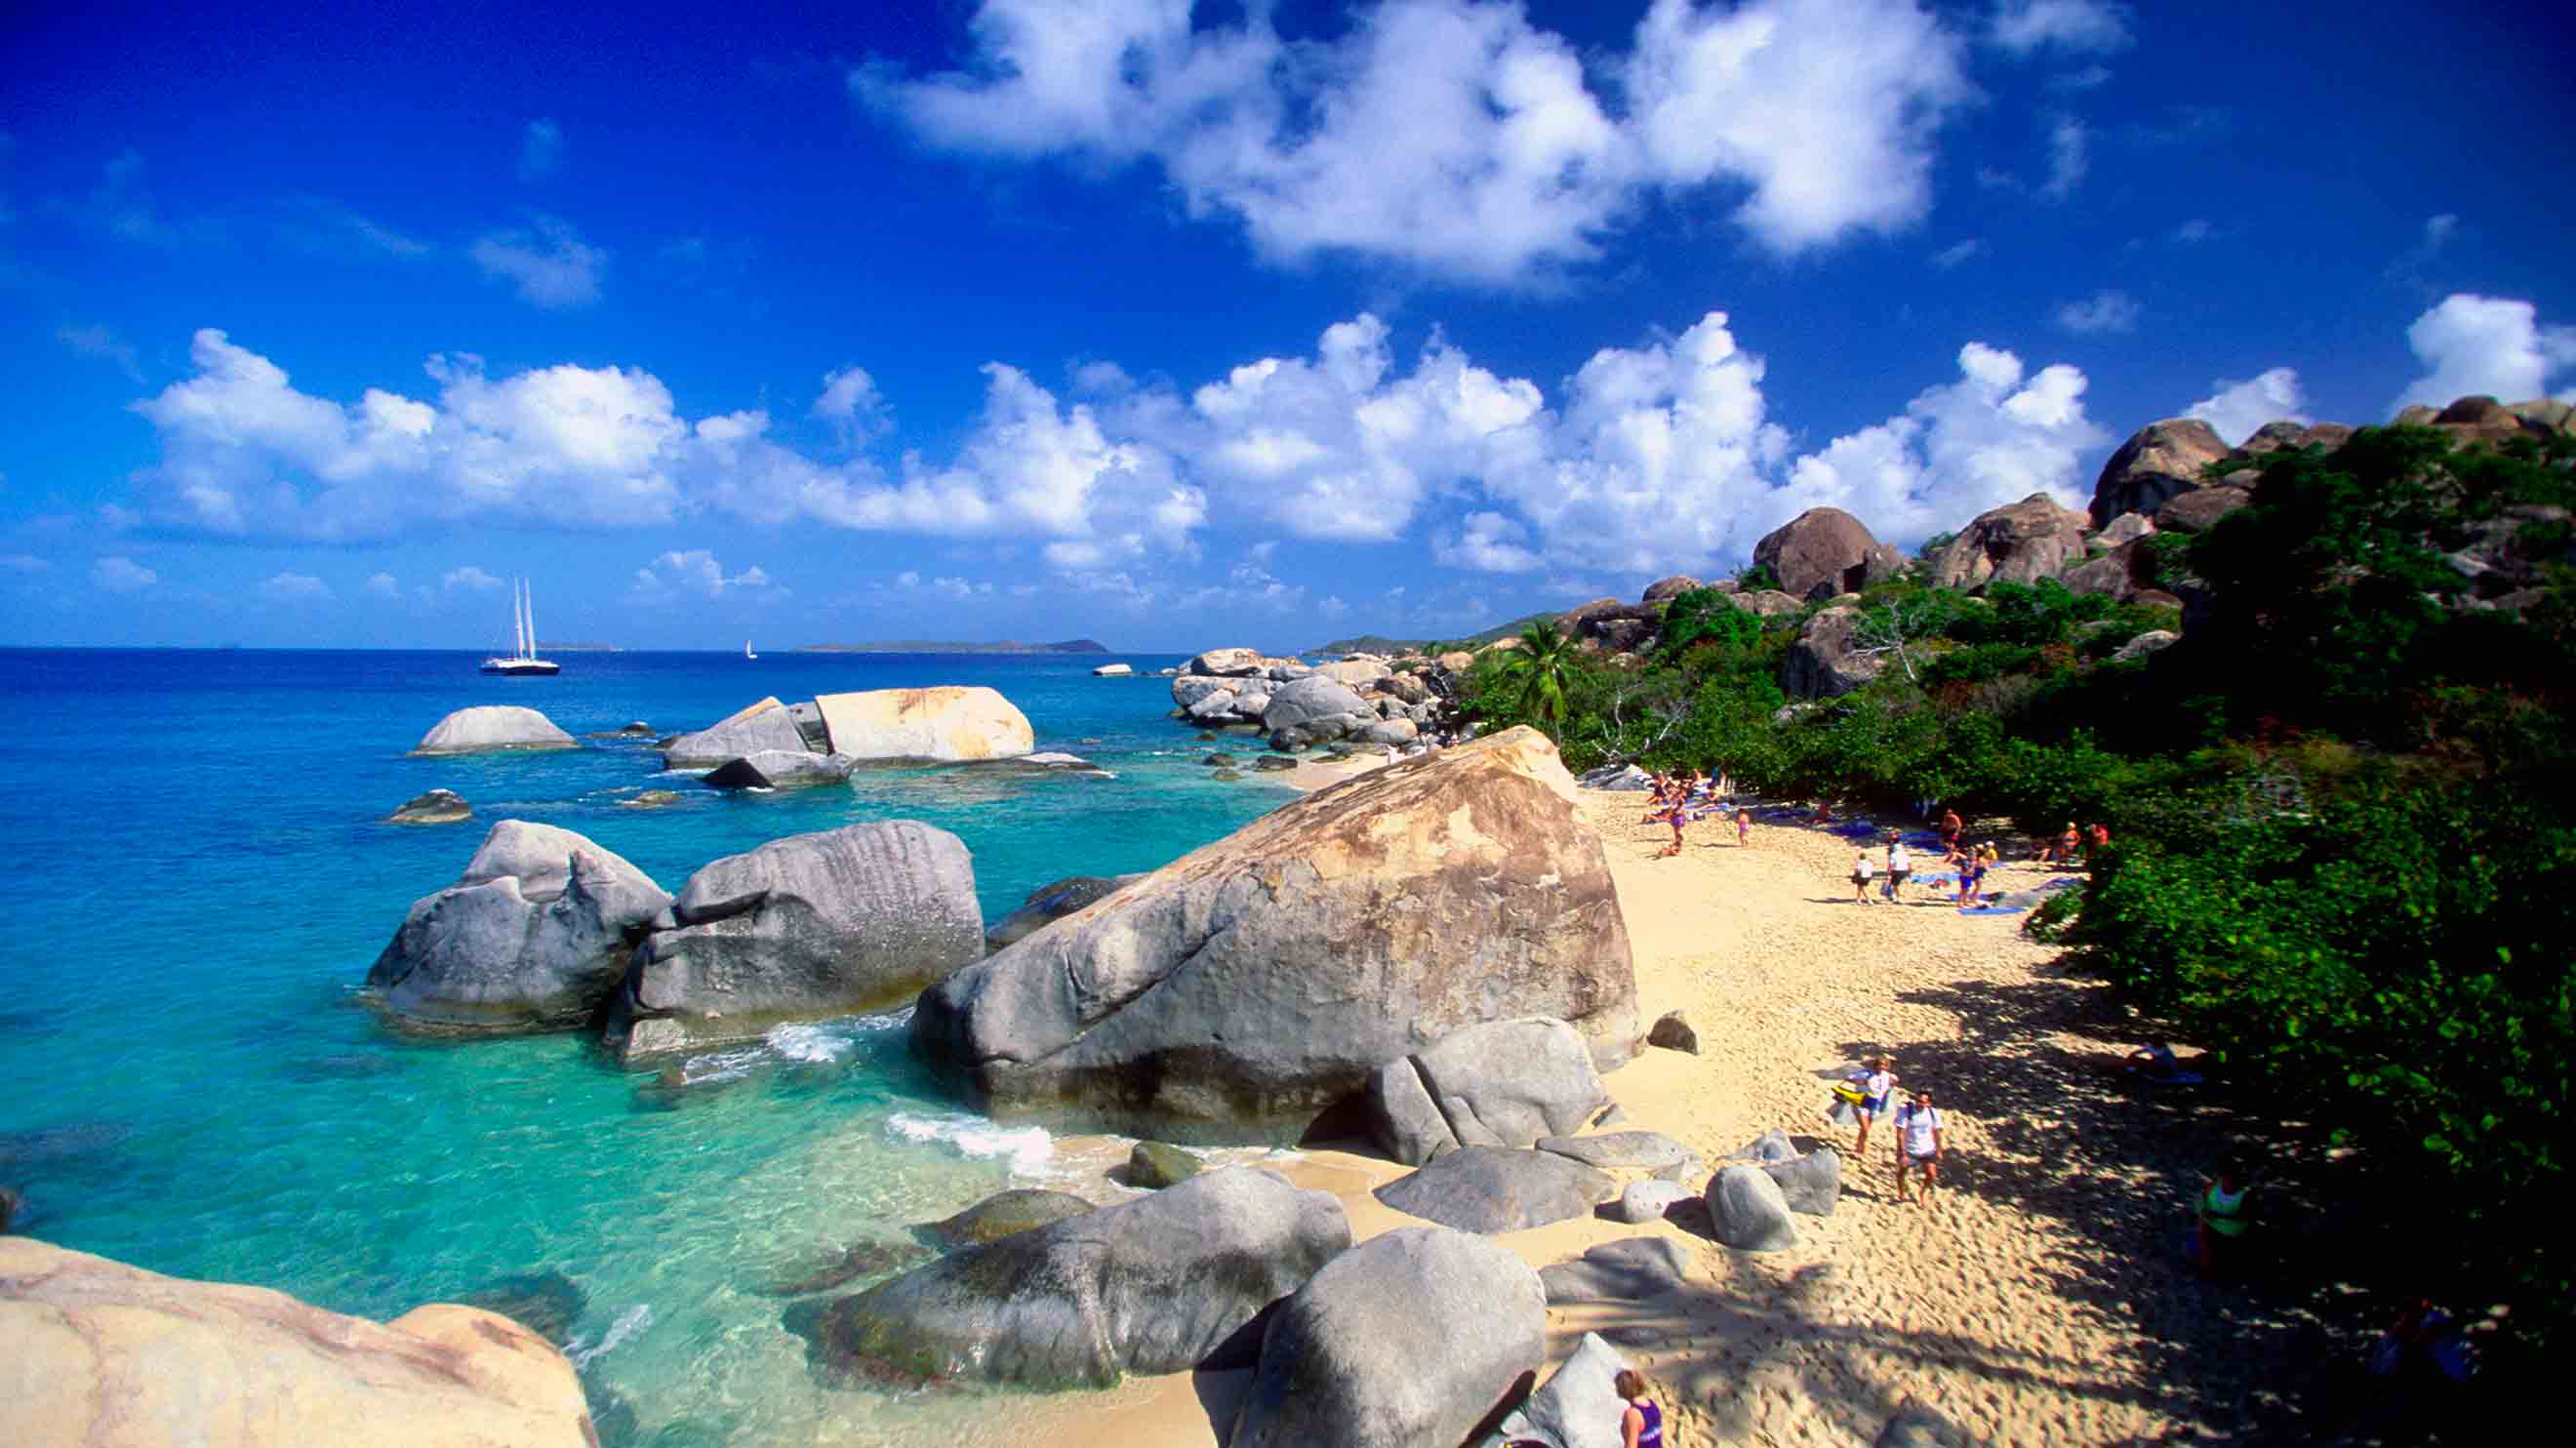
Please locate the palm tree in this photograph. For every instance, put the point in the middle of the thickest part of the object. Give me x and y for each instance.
(1543, 665)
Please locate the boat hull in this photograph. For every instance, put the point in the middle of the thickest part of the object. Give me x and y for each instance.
(521, 667)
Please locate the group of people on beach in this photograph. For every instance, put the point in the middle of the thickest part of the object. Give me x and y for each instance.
(1920, 1136)
(1681, 799)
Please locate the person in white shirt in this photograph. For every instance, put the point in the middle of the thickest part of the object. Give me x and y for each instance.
(1918, 1141)
(1899, 866)
(1861, 869)
(1875, 1089)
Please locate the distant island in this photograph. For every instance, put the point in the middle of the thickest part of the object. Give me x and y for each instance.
(930, 646)
(1381, 644)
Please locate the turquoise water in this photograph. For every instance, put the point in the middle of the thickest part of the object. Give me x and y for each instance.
(202, 876)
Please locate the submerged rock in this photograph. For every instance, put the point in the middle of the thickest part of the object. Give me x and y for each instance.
(840, 1266)
(1155, 1164)
(490, 727)
(651, 799)
(109, 1356)
(825, 924)
(438, 807)
(545, 1303)
(1253, 983)
(1156, 1285)
(1003, 1214)
(781, 769)
(1343, 1361)
(534, 936)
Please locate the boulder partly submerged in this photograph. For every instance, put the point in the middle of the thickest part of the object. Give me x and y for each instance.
(534, 936)
(781, 769)
(746, 732)
(814, 925)
(946, 724)
(1157, 1285)
(1256, 982)
(1344, 1360)
(437, 807)
(490, 728)
(112, 1356)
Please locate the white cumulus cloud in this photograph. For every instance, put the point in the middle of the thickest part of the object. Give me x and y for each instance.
(2495, 346)
(550, 265)
(1456, 136)
(294, 588)
(694, 571)
(2236, 409)
(2072, 26)
(470, 578)
(122, 575)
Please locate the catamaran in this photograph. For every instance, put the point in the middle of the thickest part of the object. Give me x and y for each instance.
(523, 639)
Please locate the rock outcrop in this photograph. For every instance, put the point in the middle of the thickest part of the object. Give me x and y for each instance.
(1490, 1189)
(111, 1356)
(534, 936)
(487, 728)
(1825, 551)
(1049, 903)
(1255, 982)
(2159, 461)
(1829, 660)
(1156, 1285)
(2020, 542)
(945, 724)
(1004, 1214)
(1342, 1361)
(824, 924)
(761, 726)
(1665, 590)
(1501, 1083)
(781, 769)
(437, 807)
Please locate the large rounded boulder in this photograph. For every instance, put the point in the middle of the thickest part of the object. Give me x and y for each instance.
(765, 725)
(1156, 1285)
(948, 723)
(487, 728)
(1829, 658)
(2020, 542)
(1257, 981)
(2161, 460)
(111, 1356)
(826, 924)
(1344, 1360)
(1823, 552)
(534, 936)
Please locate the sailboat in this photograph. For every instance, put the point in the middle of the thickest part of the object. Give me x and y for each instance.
(746, 650)
(523, 639)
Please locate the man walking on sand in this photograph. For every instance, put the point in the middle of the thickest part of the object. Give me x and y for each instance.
(1918, 1141)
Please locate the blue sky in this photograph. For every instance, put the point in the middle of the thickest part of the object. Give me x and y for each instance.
(1173, 325)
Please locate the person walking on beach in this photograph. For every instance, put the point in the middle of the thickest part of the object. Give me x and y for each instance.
(1860, 875)
(1918, 1141)
(1951, 828)
(1900, 866)
(1743, 827)
(1972, 877)
(1641, 1422)
(1875, 1089)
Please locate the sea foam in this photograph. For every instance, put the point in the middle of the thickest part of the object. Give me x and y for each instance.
(1026, 1147)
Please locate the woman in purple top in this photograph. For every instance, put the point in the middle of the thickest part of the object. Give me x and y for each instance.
(1641, 1425)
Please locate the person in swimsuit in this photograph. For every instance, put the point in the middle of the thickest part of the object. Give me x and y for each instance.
(2067, 840)
(1918, 1143)
(1875, 1089)
(1950, 831)
(1744, 826)
(1641, 1423)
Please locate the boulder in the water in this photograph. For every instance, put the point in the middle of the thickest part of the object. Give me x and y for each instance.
(110, 1356)
(946, 724)
(1155, 1164)
(1052, 902)
(651, 799)
(545, 1303)
(766, 724)
(1492, 1189)
(841, 1266)
(438, 807)
(781, 769)
(824, 924)
(1343, 1361)
(1003, 1214)
(534, 936)
(486, 728)
(1156, 1285)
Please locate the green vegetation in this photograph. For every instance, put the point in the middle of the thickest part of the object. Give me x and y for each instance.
(2343, 808)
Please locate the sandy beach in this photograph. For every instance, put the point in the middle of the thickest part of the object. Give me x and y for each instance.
(2043, 1298)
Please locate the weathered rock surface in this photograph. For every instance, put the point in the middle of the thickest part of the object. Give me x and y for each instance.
(763, 725)
(1240, 663)
(781, 769)
(1665, 590)
(2196, 510)
(2119, 573)
(1259, 980)
(2159, 461)
(946, 723)
(2020, 542)
(1494, 1189)
(1626, 778)
(1049, 903)
(1156, 1164)
(1156, 1285)
(1825, 551)
(824, 924)
(534, 936)
(1829, 660)
(489, 727)
(438, 807)
(2127, 528)
(1580, 1407)
(1342, 1362)
(104, 1354)
(1746, 1208)
(1504, 1083)
(1765, 603)
(1628, 1270)
(1305, 701)
(1811, 1184)
(1672, 1031)
(1649, 1201)
(1632, 1150)
(1004, 1214)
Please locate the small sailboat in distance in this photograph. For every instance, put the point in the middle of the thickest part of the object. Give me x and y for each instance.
(746, 650)
(522, 658)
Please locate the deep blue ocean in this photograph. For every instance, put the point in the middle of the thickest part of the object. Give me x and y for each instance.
(189, 1082)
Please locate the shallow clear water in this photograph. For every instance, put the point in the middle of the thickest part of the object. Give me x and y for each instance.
(201, 876)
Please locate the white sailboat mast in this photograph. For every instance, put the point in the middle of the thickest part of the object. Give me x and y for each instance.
(530, 601)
